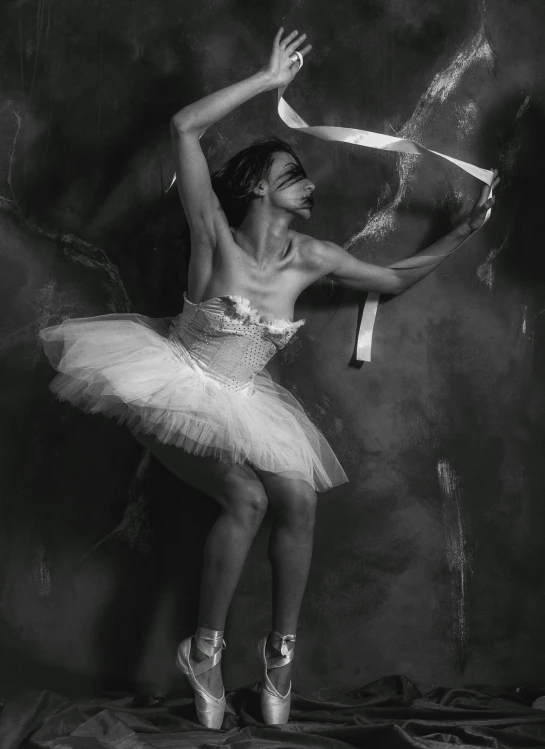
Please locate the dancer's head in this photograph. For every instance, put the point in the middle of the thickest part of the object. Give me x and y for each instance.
(268, 171)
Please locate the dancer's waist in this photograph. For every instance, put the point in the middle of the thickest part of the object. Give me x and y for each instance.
(215, 367)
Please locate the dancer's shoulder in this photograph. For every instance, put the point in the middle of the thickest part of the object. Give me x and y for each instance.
(318, 253)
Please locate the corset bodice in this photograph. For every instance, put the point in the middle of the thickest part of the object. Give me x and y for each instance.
(227, 339)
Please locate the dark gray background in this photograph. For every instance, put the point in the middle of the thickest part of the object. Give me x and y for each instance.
(429, 562)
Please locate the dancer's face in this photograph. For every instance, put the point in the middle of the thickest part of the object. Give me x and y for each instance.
(288, 186)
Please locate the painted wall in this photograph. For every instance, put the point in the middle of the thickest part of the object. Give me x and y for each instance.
(429, 562)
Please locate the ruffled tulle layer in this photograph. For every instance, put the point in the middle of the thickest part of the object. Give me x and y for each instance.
(125, 367)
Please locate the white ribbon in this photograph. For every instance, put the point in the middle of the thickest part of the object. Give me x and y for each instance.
(384, 143)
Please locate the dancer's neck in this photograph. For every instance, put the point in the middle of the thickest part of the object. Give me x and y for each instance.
(265, 235)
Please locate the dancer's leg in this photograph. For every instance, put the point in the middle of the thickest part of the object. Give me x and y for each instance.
(243, 500)
(293, 503)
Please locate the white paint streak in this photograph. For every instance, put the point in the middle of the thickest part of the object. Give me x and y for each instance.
(523, 107)
(527, 328)
(468, 116)
(458, 559)
(443, 85)
(477, 50)
(486, 271)
(41, 573)
(9, 180)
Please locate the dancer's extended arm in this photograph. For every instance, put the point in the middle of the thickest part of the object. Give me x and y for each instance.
(356, 274)
(200, 203)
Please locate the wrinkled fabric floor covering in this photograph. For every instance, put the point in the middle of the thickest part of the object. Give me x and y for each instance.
(387, 714)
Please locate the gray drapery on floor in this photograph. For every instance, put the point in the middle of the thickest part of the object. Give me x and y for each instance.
(390, 713)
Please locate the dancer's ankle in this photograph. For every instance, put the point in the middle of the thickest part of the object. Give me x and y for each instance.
(206, 642)
(281, 643)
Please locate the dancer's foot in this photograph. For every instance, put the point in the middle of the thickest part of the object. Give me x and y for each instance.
(210, 680)
(275, 696)
(281, 675)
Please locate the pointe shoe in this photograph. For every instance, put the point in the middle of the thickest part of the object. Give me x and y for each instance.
(209, 709)
(275, 707)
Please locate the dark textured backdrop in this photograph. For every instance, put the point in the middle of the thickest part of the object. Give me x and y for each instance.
(429, 563)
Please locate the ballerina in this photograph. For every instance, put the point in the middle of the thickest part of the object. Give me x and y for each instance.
(194, 390)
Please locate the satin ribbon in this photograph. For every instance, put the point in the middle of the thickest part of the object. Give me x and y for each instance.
(384, 143)
(284, 639)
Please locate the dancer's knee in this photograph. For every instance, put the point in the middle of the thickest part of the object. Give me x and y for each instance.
(246, 501)
(297, 508)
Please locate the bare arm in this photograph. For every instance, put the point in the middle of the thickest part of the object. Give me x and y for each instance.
(200, 203)
(396, 278)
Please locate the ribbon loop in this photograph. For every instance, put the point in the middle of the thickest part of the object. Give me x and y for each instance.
(284, 639)
(384, 143)
(381, 142)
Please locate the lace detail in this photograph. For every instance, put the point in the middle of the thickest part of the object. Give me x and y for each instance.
(241, 308)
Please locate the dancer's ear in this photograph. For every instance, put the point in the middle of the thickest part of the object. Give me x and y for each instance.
(261, 189)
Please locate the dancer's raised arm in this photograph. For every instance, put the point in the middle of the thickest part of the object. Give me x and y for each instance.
(192, 175)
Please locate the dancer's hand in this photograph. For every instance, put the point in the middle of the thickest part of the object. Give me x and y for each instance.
(475, 218)
(280, 69)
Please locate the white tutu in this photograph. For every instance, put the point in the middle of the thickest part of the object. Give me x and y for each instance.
(171, 377)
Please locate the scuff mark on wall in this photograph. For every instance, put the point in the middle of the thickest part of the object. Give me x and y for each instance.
(523, 107)
(468, 118)
(41, 573)
(527, 329)
(5, 201)
(458, 557)
(486, 270)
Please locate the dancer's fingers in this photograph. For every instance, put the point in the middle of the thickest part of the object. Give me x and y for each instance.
(302, 52)
(278, 35)
(485, 192)
(284, 43)
(297, 43)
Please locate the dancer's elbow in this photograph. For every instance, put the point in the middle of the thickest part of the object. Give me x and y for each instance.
(181, 122)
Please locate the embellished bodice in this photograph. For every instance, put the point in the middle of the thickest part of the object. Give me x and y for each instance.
(227, 339)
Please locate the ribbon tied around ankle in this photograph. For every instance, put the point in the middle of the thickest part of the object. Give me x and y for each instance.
(284, 639)
(209, 640)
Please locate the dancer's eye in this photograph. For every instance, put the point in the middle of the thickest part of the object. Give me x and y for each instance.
(292, 173)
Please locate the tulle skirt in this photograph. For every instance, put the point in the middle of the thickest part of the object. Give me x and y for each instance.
(124, 366)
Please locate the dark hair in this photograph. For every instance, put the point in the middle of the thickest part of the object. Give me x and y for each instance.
(234, 182)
